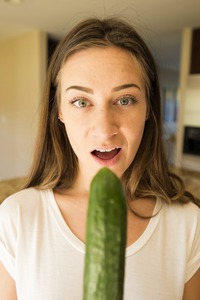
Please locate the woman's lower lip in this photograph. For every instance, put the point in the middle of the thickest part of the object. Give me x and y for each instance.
(107, 162)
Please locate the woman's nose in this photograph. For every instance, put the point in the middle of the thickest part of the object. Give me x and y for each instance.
(105, 124)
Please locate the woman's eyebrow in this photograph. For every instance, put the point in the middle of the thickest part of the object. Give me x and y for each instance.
(125, 86)
(80, 88)
(115, 89)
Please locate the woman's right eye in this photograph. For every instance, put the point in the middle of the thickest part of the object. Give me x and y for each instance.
(79, 102)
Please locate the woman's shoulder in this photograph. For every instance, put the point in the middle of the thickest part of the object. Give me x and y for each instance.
(184, 209)
(20, 196)
(24, 200)
(182, 216)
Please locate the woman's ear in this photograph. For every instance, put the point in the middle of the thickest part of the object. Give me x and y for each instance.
(60, 117)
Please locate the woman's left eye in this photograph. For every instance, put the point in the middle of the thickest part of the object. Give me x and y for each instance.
(127, 100)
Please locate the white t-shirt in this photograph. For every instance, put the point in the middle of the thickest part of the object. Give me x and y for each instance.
(46, 259)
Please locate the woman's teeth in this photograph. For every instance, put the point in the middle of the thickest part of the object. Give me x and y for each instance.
(106, 154)
(105, 150)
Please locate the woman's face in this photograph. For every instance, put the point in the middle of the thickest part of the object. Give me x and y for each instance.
(103, 107)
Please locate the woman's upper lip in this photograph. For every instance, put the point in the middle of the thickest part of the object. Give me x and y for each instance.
(105, 149)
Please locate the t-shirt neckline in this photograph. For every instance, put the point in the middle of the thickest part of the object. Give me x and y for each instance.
(80, 246)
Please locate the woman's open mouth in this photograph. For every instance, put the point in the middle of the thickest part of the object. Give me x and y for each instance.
(106, 156)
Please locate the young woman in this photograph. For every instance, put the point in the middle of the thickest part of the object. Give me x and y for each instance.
(101, 108)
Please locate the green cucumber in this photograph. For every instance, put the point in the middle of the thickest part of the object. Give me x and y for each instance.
(105, 238)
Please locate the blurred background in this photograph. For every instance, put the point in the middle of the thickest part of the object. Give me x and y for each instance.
(29, 32)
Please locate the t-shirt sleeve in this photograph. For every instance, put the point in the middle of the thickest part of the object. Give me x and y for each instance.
(8, 234)
(194, 245)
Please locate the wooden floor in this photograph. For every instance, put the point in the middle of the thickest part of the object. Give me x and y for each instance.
(190, 178)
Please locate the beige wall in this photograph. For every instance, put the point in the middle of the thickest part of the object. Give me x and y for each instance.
(189, 103)
(22, 69)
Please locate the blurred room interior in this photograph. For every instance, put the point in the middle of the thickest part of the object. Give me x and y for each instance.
(29, 32)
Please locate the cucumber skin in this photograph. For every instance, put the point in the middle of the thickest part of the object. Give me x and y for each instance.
(105, 238)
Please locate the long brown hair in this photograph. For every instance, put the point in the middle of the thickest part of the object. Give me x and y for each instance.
(55, 163)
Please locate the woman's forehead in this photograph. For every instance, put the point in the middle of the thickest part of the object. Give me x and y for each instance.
(99, 60)
(111, 62)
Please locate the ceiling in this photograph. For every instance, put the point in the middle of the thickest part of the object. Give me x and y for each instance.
(159, 21)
